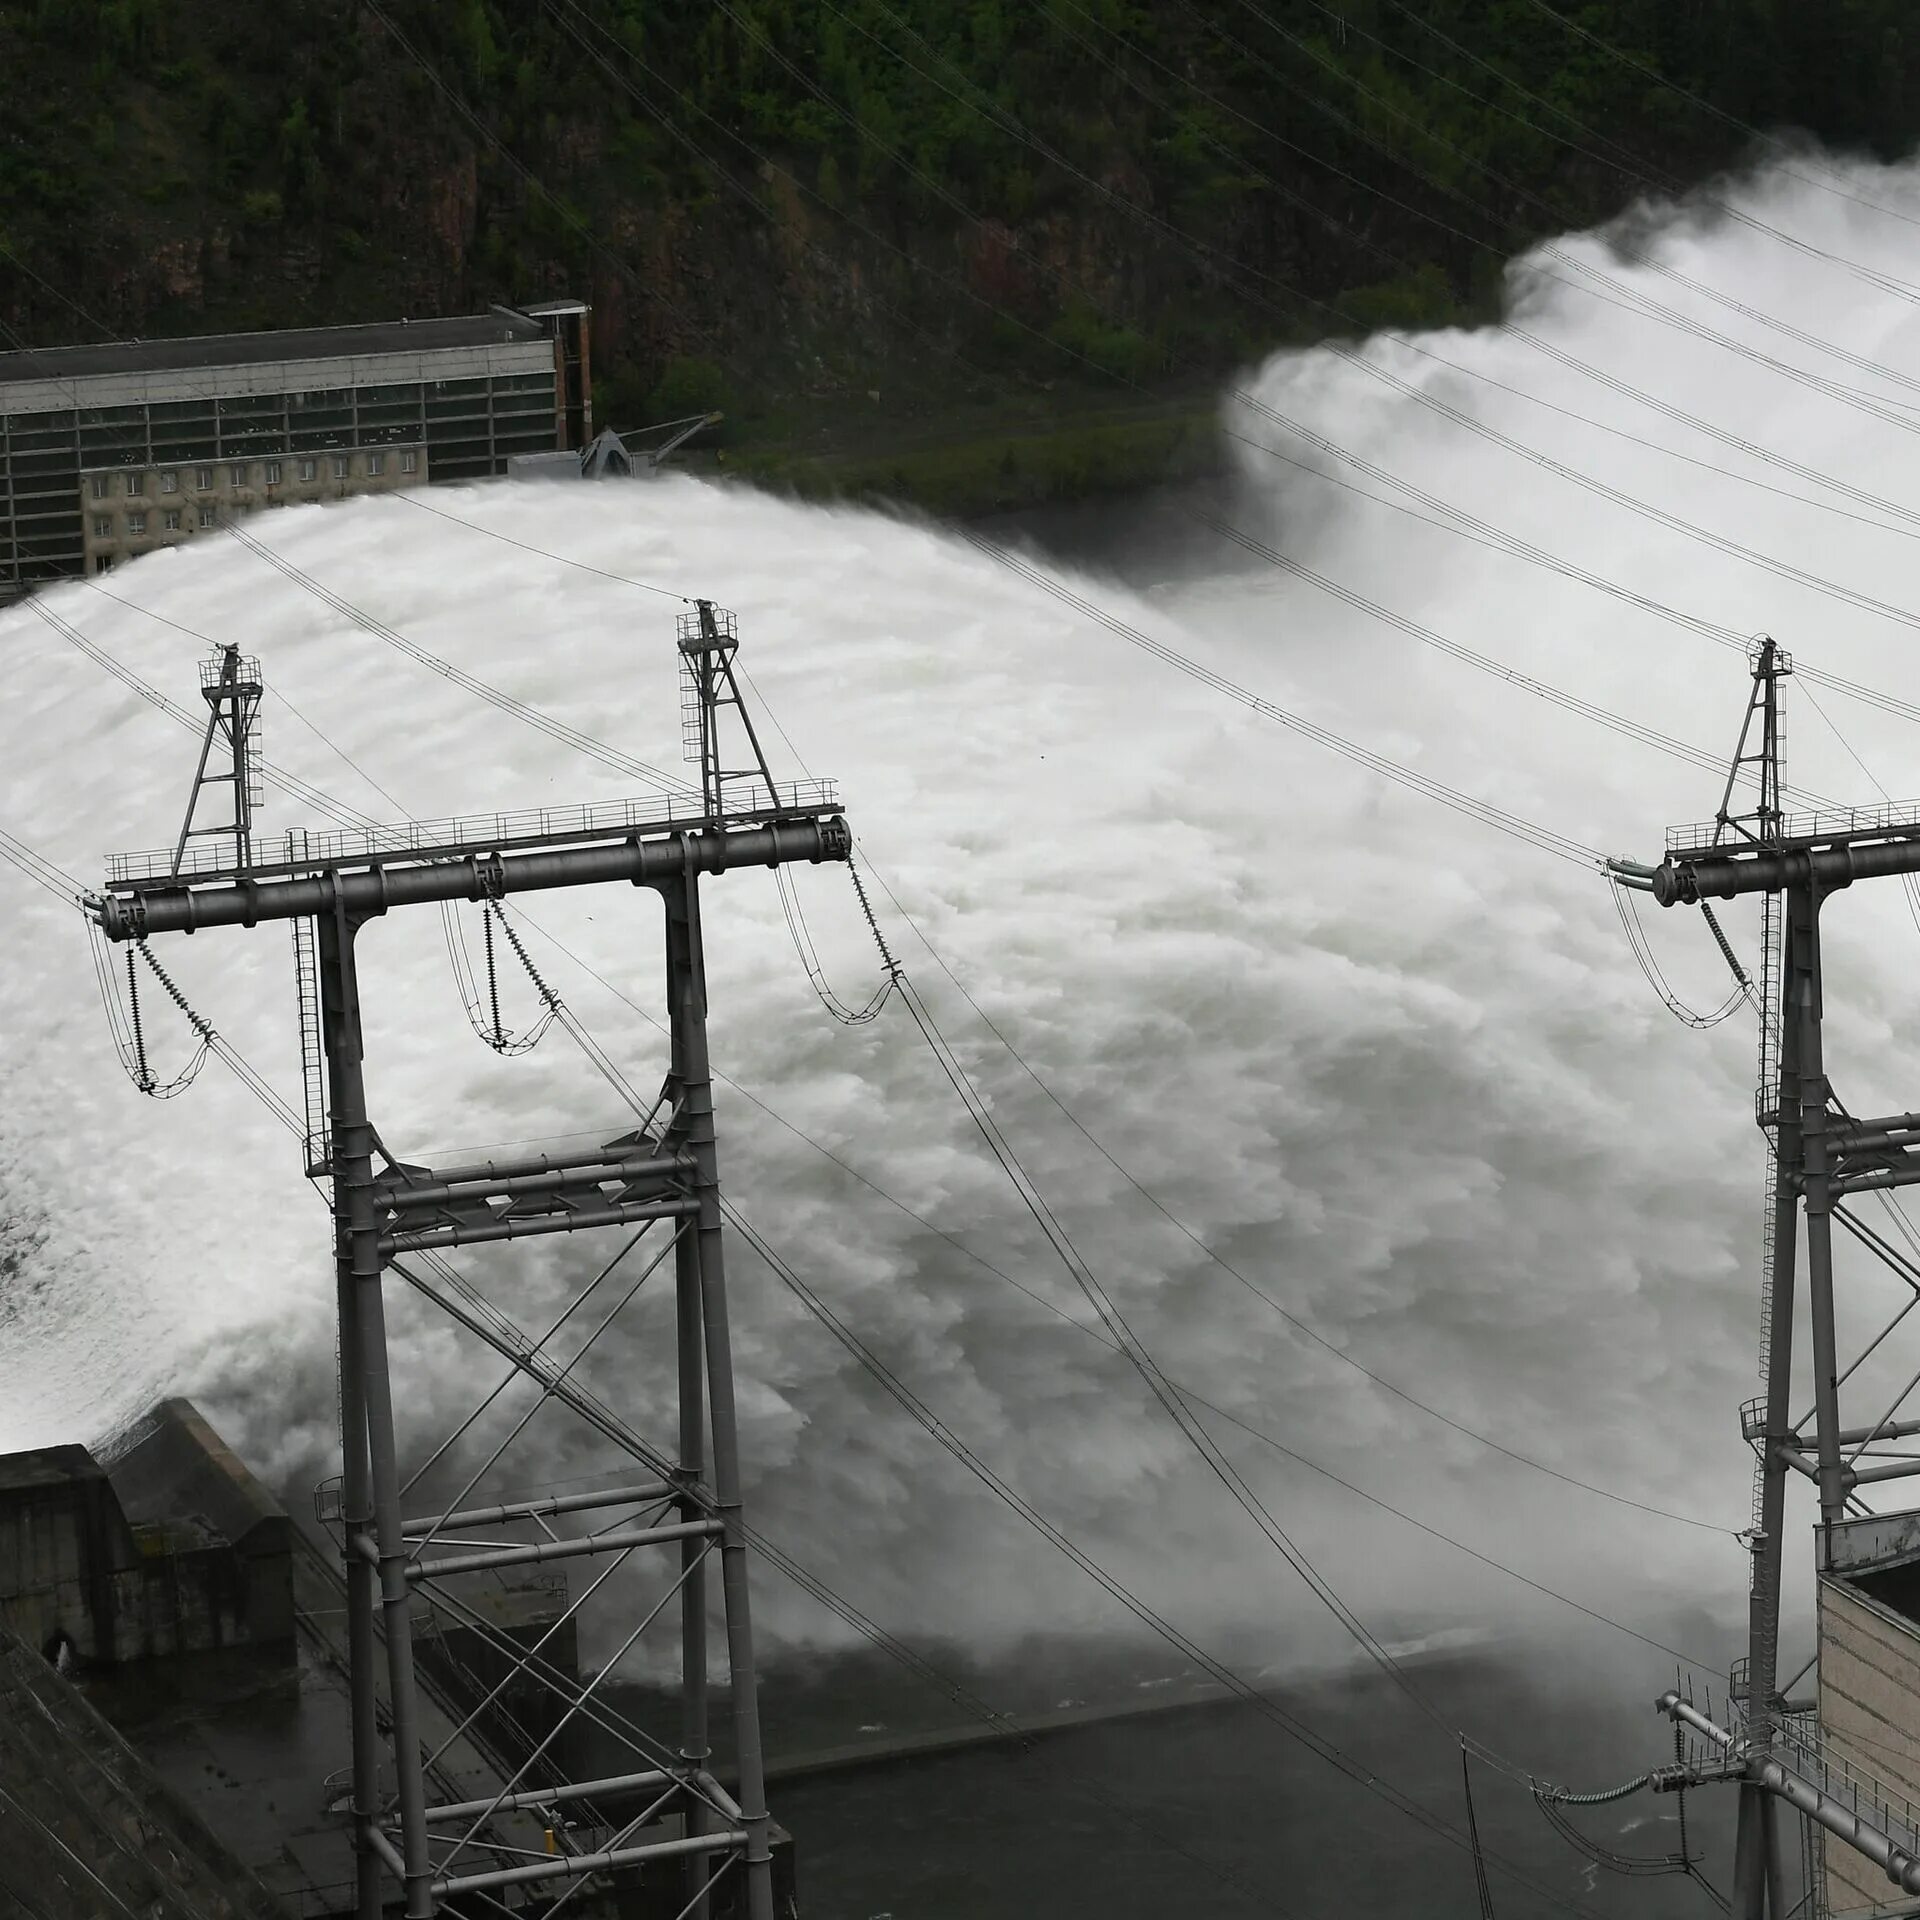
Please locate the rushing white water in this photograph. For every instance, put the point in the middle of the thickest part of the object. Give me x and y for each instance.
(1399, 1069)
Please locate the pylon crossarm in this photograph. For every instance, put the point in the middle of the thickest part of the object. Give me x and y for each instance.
(521, 1226)
(467, 872)
(1827, 862)
(643, 1494)
(539, 1798)
(570, 1865)
(544, 1552)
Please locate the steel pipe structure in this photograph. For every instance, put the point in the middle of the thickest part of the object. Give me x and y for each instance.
(384, 1210)
(606, 1789)
(570, 1866)
(534, 1226)
(1826, 866)
(446, 1192)
(174, 906)
(1820, 1155)
(1837, 1816)
(539, 1552)
(640, 1494)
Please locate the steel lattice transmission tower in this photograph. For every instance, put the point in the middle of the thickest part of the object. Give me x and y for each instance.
(1823, 1163)
(542, 1832)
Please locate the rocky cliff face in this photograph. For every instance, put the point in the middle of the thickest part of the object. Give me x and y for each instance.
(806, 199)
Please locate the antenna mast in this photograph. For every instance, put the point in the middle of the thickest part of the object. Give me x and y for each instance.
(231, 687)
(709, 638)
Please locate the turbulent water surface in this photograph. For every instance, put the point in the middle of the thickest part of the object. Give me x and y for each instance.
(1399, 1069)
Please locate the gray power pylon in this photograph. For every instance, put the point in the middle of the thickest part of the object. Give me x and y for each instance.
(1820, 1158)
(541, 1832)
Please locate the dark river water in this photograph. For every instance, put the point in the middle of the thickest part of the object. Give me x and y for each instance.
(1213, 1809)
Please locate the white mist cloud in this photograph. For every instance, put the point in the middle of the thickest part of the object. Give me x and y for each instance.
(1398, 1069)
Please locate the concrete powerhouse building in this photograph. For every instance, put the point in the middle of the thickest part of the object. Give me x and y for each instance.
(111, 451)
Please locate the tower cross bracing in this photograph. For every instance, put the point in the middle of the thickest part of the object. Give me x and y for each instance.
(543, 1833)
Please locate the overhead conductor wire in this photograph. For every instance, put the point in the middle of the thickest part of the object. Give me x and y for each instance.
(1228, 1476)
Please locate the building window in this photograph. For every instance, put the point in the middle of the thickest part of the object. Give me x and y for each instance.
(136, 523)
(103, 529)
(273, 473)
(376, 464)
(307, 470)
(169, 483)
(409, 462)
(206, 517)
(171, 520)
(102, 485)
(136, 482)
(103, 563)
(237, 474)
(339, 466)
(203, 480)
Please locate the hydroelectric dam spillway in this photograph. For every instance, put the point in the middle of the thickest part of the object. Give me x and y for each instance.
(1396, 1075)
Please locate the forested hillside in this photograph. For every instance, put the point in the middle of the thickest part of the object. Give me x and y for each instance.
(839, 218)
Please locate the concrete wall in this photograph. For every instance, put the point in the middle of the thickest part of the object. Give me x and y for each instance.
(87, 1829)
(190, 1557)
(132, 510)
(1869, 1717)
(63, 1544)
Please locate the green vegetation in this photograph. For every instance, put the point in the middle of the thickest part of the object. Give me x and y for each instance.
(982, 209)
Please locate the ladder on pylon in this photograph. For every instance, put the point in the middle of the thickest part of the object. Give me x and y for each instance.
(313, 1073)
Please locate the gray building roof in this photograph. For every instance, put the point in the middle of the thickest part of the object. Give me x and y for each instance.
(502, 326)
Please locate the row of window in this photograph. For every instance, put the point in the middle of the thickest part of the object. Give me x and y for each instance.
(338, 467)
(137, 522)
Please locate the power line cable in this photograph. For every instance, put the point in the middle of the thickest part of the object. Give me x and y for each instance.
(1639, 304)
(611, 758)
(1459, 418)
(1557, 696)
(1308, 1573)
(1598, 147)
(1425, 128)
(63, 886)
(1719, 113)
(626, 580)
(1725, 636)
(1140, 639)
(1502, 819)
(1301, 1326)
(1634, 301)
(288, 783)
(1317, 1743)
(960, 1247)
(1138, 1355)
